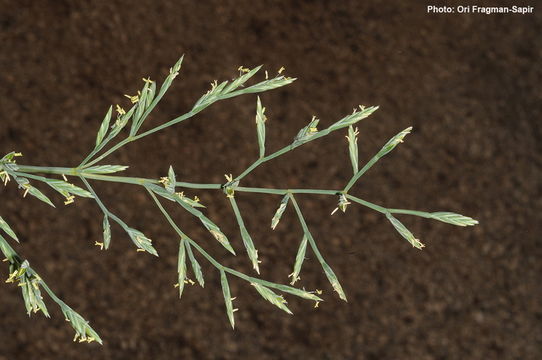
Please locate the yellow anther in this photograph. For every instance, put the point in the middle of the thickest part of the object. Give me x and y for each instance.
(120, 110)
(11, 277)
(148, 80)
(164, 180)
(242, 69)
(140, 250)
(100, 244)
(282, 68)
(266, 75)
(356, 133)
(69, 200)
(133, 98)
(176, 285)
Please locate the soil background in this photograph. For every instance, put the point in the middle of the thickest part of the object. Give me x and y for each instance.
(468, 83)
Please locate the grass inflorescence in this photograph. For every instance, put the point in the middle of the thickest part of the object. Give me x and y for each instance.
(119, 121)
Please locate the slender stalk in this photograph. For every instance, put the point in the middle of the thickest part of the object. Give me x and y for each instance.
(182, 234)
(325, 266)
(177, 120)
(84, 164)
(286, 191)
(166, 215)
(411, 212)
(30, 176)
(51, 293)
(368, 204)
(97, 149)
(48, 170)
(245, 235)
(360, 173)
(280, 152)
(306, 230)
(101, 204)
(389, 146)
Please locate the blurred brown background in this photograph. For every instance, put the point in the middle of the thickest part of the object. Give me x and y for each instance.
(469, 84)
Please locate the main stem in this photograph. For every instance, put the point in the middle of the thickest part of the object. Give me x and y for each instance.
(144, 181)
